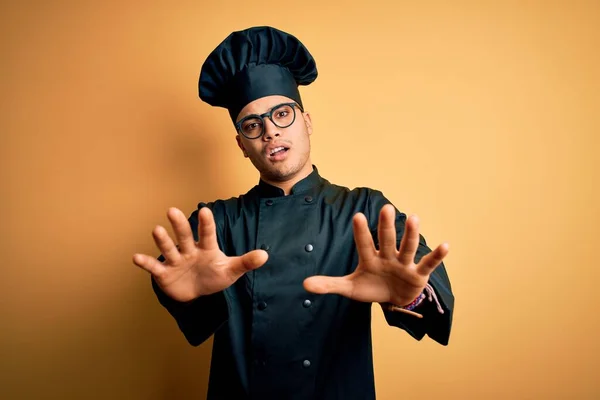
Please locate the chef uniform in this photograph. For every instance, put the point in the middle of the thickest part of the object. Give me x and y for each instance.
(272, 338)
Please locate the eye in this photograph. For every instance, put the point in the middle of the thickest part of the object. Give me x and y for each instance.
(251, 125)
(282, 113)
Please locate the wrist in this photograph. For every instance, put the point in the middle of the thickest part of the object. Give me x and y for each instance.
(415, 303)
(409, 308)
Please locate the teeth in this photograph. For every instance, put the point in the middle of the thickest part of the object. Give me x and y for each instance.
(275, 150)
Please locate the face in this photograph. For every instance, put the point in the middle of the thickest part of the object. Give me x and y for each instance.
(280, 154)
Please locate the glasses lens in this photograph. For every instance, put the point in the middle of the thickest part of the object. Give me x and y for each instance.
(283, 116)
(252, 127)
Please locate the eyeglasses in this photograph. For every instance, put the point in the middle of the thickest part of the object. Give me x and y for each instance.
(282, 115)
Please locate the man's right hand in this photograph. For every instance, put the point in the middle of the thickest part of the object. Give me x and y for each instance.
(195, 269)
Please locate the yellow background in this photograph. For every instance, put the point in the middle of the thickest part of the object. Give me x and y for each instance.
(480, 117)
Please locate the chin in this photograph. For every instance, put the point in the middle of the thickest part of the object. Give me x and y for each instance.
(281, 172)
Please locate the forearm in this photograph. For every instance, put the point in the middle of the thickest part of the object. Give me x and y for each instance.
(197, 319)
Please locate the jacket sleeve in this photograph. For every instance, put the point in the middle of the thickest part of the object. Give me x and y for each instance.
(200, 318)
(437, 325)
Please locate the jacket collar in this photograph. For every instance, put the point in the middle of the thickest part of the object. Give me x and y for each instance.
(313, 180)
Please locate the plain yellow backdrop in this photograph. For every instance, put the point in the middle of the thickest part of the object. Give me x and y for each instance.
(480, 117)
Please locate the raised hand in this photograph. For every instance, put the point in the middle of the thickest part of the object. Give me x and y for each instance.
(195, 269)
(387, 275)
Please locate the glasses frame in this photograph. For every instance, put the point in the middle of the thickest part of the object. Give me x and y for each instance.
(269, 114)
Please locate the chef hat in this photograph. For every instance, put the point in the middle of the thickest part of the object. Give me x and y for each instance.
(253, 63)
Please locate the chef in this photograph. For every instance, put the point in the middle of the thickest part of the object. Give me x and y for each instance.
(285, 275)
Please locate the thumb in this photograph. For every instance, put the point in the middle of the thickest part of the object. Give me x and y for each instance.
(325, 284)
(249, 261)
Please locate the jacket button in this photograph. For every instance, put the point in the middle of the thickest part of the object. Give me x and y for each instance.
(306, 363)
(265, 247)
(308, 199)
(269, 202)
(307, 303)
(308, 247)
(262, 305)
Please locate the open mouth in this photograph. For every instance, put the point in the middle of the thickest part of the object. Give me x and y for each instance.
(278, 152)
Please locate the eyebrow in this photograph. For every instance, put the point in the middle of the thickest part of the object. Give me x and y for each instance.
(266, 111)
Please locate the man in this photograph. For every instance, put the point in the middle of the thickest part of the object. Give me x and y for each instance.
(285, 275)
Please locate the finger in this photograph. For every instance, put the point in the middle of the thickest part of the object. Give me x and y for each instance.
(149, 264)
(166, 245)
(327, 284)
(432, 260)
(252, 260)
(207, 230)
(410, 241)
(386, 232)
(182, 229)
(362, 237)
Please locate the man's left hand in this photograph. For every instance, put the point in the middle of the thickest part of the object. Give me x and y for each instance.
(387, 275)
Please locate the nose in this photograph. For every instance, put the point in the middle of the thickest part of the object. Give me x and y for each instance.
(271, 130)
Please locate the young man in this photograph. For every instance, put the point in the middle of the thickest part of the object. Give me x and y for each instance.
(285, 275)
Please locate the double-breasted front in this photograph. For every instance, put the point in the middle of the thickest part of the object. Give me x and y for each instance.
(275, 340)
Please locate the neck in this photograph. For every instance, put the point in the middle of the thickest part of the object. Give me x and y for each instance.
(288, 184)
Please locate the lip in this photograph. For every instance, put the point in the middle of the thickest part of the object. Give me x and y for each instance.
(279, 156)
(273, 146)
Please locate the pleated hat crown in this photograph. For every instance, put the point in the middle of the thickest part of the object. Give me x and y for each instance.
(254, 63)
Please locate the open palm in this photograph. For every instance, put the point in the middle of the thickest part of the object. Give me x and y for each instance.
(194, 269)
(387, 275)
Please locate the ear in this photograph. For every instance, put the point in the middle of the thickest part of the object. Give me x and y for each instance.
(241, 145)
(308, 122)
